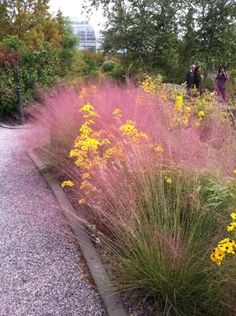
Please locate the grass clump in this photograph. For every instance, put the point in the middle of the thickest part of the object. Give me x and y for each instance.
(162, 249)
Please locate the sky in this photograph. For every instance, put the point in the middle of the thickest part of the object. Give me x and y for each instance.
(73, 8)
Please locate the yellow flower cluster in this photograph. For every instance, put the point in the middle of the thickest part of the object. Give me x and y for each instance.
(179, 101)
(181, 113)
(129, 129)
(93, 151)
(67, 184)
(150, 84)
(92, 148)
(225, 246)
(88, 112)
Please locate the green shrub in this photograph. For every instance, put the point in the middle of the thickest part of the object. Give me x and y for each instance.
(86, 64)
(108, 66)
(114, 69)
(7, 93)
(39, 68)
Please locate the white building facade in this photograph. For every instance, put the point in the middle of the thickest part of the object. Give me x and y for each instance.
(86, 34)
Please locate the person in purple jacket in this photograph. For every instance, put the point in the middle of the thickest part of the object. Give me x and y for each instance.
(221, 79)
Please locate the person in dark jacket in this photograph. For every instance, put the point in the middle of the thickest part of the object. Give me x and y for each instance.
(190, 79)
(221, 80)
(197, 79)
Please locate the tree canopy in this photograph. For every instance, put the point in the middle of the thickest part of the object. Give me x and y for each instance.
(31, 22)
(170, 34)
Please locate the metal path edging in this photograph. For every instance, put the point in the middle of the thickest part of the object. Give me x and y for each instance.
(111, 299)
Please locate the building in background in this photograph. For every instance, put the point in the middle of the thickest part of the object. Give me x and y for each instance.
(86, 34)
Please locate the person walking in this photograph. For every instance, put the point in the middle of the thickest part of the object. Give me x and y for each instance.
(190, 79)
(221, 79)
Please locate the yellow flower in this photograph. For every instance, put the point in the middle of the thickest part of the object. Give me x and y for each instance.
(67, 184)
(85, 175)
(149, 85)
(231, 227)
(179, 103)
(87, 107)
(85, 129)
(89, 111)
(74, 153)
(169, 180)
(129, 129)
(234, 171)
(201, 114)
(80, 159)
(225, 246)
(116, 150)
(224, 241)
(158, 149)
(216, 259)
(233, 216)
(88, 144)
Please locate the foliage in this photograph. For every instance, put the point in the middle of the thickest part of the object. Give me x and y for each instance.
(232, 87)
(39, 68)
(167, 36)
(30, 22)
(86, 64)
(114, 69)
(44, 46)
(69, 45)
(7, 92)
(108, 65)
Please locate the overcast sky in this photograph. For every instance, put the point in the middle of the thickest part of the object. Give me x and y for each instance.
(73, 8)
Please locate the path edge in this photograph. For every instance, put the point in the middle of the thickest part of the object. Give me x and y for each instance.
(14, 126)
(111, 299)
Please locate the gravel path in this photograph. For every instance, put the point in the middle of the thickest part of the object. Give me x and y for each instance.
(40, 274)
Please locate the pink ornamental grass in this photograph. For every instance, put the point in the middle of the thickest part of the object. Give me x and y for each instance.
(198, 147)
(148, 204)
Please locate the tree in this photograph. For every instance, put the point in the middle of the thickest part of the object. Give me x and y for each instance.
(45, 45)
(30, 21)
(216, 32)
(144, 32)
